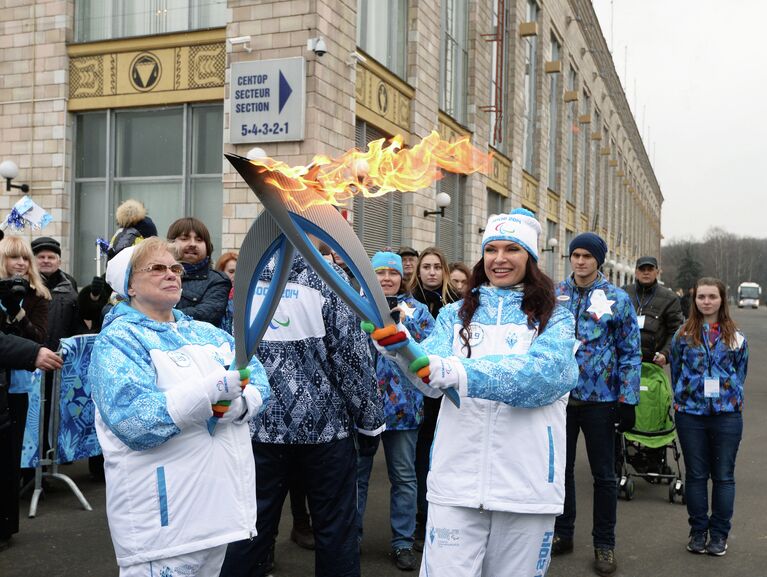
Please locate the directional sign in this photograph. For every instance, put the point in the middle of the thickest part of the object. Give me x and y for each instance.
(267, 100)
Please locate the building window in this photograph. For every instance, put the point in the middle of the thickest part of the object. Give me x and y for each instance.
(454, 63)
(555, 97)
(168, 158)
(499, 57)
(496, 203)
(530, 92)
(382, 32)
(552, 258)
(585, 153)
(450, 228)
(571, 121)
(569, 236)
(378, 219)
(592, 208)
(107, 19)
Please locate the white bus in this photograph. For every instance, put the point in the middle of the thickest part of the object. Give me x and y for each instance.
(749, 294)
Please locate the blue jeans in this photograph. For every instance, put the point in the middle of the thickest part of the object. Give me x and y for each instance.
(597, 421)
(709, 447)
(399, 448)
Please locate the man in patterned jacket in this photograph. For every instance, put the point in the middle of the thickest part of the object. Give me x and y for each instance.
(609, 358)
(323, 389)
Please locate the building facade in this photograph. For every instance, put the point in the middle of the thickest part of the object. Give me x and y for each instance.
(100, 102)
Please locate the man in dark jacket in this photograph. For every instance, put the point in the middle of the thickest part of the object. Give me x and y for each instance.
(63, 311)
(659, 312)
(24, 354)
(204, 291)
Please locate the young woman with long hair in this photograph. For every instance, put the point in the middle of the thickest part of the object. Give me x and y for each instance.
(709, 362)
(430, 285)
(496, 481)
(431, 282)
(23, 295)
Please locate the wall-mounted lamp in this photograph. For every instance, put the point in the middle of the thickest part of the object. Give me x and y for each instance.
(443, 201)
(241, 40)
(255, 152)
(552, 243)
(9, 170)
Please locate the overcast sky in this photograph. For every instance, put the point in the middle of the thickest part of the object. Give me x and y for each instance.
(699, 102)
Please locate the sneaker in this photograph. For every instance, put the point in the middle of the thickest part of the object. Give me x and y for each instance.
(404, 559)
(604, 562)
(717, 546)
(302, 534)
(697, 543)
(560, 546)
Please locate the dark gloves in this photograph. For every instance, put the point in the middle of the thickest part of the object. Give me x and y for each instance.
(12, 292)
(367, 445)
(626, 417)
(98, 286)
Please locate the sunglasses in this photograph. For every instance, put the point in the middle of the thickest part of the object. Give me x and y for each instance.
(157, 269)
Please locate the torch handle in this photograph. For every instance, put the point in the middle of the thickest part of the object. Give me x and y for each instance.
(222, 407)
(417, 360)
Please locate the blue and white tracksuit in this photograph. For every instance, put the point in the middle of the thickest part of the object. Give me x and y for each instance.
(610, 352)
(172, 488)
(502, 453)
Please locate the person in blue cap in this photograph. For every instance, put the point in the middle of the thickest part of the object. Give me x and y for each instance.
(403, 412)
(496, 481)
(609, 358)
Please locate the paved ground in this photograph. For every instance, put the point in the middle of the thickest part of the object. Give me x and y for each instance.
(65, 541)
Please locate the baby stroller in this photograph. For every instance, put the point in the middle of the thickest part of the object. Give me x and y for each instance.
(645, 447)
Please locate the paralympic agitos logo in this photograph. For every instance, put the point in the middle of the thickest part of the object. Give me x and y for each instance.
(278, 324)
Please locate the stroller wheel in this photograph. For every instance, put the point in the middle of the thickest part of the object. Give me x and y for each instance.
(672, 490)
(627, 489)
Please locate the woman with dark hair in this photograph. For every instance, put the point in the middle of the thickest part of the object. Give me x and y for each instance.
(459, 276)
(496, 482)
(430, 285)
(709, 361)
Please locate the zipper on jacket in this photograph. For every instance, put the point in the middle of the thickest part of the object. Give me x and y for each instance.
(484, 457)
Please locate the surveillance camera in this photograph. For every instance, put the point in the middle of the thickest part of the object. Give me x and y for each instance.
(317, 45)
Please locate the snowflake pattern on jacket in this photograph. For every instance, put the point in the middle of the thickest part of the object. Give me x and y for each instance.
(323, 382)
(692, 365)
(402, 402)
(610, 354)
(538, 376)
(123, 376)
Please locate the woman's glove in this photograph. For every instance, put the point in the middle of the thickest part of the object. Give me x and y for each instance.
(245, 407)
(12, 292)
(446, 373)
(222, 385)
(626, 417)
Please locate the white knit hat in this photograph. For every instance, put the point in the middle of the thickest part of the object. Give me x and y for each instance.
(118, 271)
(518, 226)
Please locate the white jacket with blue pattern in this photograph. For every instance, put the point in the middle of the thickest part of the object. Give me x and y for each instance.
(504, 448)
(172, 488)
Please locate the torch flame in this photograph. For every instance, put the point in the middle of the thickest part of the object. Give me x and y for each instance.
(381, 169)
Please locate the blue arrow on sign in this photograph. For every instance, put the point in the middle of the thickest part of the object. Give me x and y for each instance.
(285, 91)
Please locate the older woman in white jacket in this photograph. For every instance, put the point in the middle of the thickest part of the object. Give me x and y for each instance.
(496, 481)
(177, 493)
